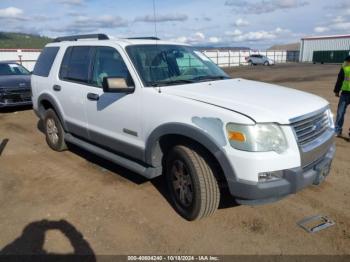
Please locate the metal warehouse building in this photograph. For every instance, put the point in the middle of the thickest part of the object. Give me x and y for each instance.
(322, 43)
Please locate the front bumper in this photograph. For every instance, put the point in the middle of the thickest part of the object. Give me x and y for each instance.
(16, 97)
(14, 104)
(292, 181)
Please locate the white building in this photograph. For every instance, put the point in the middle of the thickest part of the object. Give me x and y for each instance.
(322, 43)
(26, 57)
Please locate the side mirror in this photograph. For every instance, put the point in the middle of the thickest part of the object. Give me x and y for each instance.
(116, 85)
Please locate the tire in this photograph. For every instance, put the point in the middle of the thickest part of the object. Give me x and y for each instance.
(266, 63)
(54, 131)
(250, 63)
(188, 171)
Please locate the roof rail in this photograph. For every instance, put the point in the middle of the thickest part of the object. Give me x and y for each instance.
(77, 37)
(143, 38)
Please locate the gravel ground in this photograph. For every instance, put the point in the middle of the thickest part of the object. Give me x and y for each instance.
(75, 202)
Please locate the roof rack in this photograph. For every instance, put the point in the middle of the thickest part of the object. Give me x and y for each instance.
(77, 37)
(143, 38)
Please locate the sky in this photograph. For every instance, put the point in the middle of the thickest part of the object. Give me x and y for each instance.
(250, 23)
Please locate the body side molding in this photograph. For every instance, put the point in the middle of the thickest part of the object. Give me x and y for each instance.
(146, 171)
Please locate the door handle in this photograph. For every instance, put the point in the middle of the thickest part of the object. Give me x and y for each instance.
(56, 88)
(92, 96)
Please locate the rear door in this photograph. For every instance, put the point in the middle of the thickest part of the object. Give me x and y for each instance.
(113, 118)
(73, 77)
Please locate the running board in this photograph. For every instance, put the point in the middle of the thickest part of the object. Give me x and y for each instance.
(146, 171)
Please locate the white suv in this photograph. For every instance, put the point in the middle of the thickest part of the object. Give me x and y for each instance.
(158, 107)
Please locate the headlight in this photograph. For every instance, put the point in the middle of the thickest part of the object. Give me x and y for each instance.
(331, 120)
(257, 138)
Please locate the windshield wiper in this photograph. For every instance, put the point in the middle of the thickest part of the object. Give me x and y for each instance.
(209, 77)
(171, 82)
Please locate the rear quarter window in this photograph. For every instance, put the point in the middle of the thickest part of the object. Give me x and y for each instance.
(45, 61)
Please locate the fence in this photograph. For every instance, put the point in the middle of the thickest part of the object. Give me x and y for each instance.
(26, 57)
(237, 58)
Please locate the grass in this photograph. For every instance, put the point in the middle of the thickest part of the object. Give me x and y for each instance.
(19, 40)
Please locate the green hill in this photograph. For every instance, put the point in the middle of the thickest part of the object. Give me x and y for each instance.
(19, 40)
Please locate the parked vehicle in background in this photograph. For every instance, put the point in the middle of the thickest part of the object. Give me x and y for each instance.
(158, 107)
(15, 87)
(259, 60)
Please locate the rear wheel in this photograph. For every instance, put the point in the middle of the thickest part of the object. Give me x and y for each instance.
(54, 131)
(194, 190)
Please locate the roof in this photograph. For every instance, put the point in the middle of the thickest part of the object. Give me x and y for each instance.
(325, 37)
(122, 42)
(286, 47)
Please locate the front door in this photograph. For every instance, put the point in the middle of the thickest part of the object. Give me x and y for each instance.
(113, 118)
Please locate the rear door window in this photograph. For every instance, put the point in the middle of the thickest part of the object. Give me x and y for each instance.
(76, 64)
(45, 61)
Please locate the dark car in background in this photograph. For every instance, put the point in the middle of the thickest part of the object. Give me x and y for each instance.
(15, 88)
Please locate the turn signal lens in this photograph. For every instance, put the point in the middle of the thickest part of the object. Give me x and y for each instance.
(236, 136)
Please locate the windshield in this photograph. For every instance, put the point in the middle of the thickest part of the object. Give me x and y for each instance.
(163, 65)
(12, 69)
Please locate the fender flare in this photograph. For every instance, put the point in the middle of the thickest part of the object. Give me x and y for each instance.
(55, 106)
(153, 153)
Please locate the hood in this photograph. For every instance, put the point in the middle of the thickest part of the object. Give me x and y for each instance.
(15, 81)
(262, 102)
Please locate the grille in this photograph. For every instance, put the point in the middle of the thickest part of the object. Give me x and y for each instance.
(311, 128)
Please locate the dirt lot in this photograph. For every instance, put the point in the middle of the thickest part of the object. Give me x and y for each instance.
(47, 197)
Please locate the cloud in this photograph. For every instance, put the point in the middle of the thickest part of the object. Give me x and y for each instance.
(338, 24)
(91, 24)
(236, 3)
(241, 22)
(203, 18)
(321, 29)
(106, 21)
(340, 5)
(197, 38)
(11, 12)
(162, 18)
(338, 19)
(254, 36)
(214, 39)
(264, 6)
(236, 32)
(341, 26)
(280, 31)
(72, 2)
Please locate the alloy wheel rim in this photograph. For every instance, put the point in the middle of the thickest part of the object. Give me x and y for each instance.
(182, 183)
(52, 131)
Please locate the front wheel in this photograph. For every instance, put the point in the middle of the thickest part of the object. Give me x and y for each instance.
(194, 190)
(266, 63)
